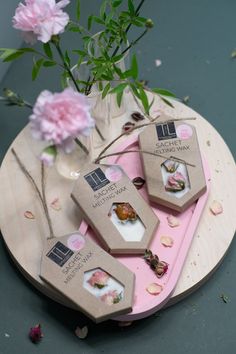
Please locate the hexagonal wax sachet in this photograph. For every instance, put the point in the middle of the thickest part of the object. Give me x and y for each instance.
(112, 206)
(94, 281)
(177, 179)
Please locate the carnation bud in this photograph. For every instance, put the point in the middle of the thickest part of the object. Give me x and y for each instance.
(149, 23)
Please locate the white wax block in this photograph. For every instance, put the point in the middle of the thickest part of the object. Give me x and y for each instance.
(183, 170)
(131, 231)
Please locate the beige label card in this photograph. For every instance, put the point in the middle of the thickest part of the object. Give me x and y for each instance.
(98, 284)
(177, 180)
(112, 206)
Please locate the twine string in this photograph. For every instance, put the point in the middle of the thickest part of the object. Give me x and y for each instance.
(42, 197)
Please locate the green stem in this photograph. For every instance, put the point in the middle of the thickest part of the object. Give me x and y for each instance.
(127, 29)
(67, 68)
(83, 147)
(134, 42)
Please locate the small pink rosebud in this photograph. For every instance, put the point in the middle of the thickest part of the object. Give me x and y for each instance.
(35, 333)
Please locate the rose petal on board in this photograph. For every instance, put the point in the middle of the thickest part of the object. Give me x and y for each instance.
(55, 204)
(158, 62)
(125, 323)
(81, 332)
(138, 182)
(216, 208)
(127, 126)
(167, 241)
(172, 221)
(154, 289)
(29, 215)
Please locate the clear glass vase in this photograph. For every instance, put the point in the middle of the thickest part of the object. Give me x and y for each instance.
(105, 109)
(69, 165)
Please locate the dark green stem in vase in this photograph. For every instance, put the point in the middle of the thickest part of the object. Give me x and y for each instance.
(83, 147)
(67, 68)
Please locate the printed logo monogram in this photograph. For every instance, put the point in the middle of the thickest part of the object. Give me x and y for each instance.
(166, 131)
(60, 254)
(96, 179)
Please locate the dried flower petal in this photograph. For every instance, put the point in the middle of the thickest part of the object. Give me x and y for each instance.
(167, 241)
(186, 99)
(127, 126)
(125, 323)
(154, 289)
(55, 204)
(159, 267)
(35, 333)
(216, 208)
(158, 62)
(29, 215)
(138, 182)
(81, 332)
(137, 116)
(173, 221)
(225, 298)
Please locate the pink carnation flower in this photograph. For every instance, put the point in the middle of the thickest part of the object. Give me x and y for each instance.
(60, 117)
(40, 19)
(99, 279)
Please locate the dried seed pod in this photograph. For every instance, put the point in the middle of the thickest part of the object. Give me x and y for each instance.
(127, 126)
(137, 116)
(138, 182)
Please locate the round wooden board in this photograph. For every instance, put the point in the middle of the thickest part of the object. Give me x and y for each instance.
(24, 237)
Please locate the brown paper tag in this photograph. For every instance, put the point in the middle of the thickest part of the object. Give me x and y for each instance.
(121, 218)
(98, 284)
(172, 183)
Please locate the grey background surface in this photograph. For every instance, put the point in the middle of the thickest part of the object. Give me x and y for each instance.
(194, 40)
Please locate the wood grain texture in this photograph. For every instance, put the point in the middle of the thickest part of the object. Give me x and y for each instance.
(24, 238)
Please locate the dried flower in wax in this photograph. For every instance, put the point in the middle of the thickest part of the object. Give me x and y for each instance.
(125, 212)
(170, 166)
(159, 267)
(98, 279)
(111, 297)
(175, 183)
(138, 182)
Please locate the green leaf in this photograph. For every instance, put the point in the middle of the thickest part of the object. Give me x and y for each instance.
(36, 68)
(47, 50)
(116, 3)
(118, 71)
(131, 7)
(163, 92)
(100, 86)
(90, 20)
(103, 9)
(105, 90)
(48, 63)
(119, 88)
(78, 10)
(134, 67)
(135, 91)
(13, 56)
(119, 96)
(144, 99)
(167, 102)
(98, 20)
(67, 58)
